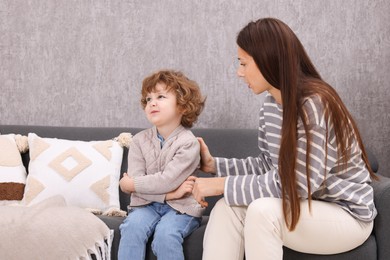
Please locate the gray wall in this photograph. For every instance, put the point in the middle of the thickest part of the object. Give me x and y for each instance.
(81, 63)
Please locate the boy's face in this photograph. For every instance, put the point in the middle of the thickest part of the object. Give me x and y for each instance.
(161, 107)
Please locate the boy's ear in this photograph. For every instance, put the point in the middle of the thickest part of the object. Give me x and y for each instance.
(181, 110)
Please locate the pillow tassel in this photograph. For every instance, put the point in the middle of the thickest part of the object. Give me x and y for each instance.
(22, 143)
(124, 139)
(114, 212)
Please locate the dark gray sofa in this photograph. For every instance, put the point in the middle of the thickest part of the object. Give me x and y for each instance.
(229, 143)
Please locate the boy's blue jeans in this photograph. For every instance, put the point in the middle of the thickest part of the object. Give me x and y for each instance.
(169, 226)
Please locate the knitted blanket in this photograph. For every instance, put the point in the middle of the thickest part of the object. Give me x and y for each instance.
(52, 230)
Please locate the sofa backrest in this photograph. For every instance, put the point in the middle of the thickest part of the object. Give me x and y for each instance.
(229, 143)
(222, 142)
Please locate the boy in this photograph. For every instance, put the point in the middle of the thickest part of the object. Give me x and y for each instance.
(161, 161)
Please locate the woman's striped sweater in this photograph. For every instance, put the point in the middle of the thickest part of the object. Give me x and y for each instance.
(256, 177)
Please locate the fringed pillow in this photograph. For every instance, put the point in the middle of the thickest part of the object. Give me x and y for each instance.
(12, 171)
(86, 174)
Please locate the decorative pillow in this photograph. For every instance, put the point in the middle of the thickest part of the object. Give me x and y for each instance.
(12, 171)
(86, 174)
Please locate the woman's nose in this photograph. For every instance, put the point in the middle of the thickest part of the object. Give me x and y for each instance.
(239, 72)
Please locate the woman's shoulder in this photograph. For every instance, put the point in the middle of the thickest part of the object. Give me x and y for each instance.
(314, 109)
(270, 104)
(312, 102)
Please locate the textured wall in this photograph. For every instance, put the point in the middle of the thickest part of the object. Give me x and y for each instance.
(81, 62)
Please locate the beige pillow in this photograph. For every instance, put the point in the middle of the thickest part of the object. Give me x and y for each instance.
(12, 171)
(86, 174)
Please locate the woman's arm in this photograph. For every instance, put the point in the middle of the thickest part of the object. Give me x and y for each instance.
(207, 187)
(243, 189)
(238, 190)
(207, 161)
(185, 189)
(243, 184)
(224, 167)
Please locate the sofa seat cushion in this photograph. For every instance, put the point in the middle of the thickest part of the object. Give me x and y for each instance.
(366, 251)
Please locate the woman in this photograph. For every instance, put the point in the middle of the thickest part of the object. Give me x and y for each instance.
(309, 187)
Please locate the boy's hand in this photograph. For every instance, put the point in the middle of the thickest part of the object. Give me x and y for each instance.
(127, 184)
(184, 189)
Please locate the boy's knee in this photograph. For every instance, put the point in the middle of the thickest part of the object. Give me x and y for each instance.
(164, 239)
(132, 230)
(128, 225)
(167, 235)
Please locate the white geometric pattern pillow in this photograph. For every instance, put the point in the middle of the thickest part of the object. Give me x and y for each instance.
(12, 171)
(86, 174)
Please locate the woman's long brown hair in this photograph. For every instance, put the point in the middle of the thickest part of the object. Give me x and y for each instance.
(283, 62)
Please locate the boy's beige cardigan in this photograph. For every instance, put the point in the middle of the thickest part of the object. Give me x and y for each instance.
(157, 171)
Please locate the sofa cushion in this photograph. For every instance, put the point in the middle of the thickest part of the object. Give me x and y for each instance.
(12, 171)
(365, 251)
(86, 174)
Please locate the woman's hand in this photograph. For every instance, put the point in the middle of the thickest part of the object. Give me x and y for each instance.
(207, 161)
(206, 187)
(127, 184)
(184, 189)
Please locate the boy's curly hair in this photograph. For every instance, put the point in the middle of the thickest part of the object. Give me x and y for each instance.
(188, 95)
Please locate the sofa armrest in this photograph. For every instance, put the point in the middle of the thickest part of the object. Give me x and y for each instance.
(382, 220)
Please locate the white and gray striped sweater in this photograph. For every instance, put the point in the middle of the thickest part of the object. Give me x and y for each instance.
(252, 178)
